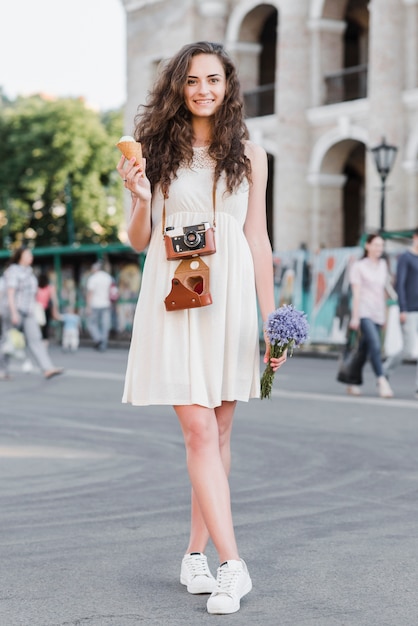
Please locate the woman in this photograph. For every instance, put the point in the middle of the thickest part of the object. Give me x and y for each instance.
(21, 287)
(201, 360)
(369, 279)
(47, 298)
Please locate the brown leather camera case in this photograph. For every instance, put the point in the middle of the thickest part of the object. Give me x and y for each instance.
(189, 286)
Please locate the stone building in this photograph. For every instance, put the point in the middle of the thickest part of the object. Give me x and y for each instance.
(324, 81)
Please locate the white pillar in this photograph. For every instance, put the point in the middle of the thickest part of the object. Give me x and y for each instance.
(326, 54)
(293, 98)
(411, 44)
(386, 72)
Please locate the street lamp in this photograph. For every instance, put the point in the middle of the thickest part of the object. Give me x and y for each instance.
(384, 157)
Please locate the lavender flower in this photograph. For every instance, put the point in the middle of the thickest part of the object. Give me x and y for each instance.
(285, 328)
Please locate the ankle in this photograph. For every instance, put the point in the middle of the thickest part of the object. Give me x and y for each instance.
(229, 556)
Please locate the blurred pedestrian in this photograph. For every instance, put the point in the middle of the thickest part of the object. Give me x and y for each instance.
(21, 289)
(370, 280)
(407, 290)
(98, 288)
(71, 330)
(3, 299)
(200, 164)
(114, 298)
(48, 300)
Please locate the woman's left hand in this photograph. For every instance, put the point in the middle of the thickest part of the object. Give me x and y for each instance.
(15, 319)
(274, 362)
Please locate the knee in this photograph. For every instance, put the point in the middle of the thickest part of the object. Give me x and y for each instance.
(199, 435)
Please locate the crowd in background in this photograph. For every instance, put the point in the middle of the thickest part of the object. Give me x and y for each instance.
(30, 307)
(64, 320)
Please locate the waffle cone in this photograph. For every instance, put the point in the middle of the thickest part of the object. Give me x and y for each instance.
(131, 149)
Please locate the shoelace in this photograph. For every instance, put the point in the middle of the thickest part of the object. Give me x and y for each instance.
(199, 566)
(226, 580)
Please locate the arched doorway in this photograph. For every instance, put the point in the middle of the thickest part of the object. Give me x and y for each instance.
(256, 52)
(345, 56)
(338, 210)
(354, 196)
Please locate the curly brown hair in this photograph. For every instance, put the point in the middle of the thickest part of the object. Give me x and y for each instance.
(163, 124)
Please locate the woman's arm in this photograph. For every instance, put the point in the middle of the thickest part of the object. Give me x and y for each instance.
(139, 226)
(356, 281)
(55, 304)
(11, 300)
(255, 230)
(355, 306)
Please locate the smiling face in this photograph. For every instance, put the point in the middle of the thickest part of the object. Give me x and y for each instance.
(205, 86)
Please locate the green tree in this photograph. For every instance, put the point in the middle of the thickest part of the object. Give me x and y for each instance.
(57, 168)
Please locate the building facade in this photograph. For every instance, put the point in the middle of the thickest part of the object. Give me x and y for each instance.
(323, 82)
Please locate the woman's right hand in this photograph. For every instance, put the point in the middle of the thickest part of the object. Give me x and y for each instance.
(134, 178)
(354, 323)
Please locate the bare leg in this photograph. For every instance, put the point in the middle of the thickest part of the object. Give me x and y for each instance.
(205, 432)
(199, 534)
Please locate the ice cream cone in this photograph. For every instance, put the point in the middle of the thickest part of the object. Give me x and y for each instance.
(131, 149)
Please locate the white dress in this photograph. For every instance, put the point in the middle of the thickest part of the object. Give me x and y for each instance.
(203, 355)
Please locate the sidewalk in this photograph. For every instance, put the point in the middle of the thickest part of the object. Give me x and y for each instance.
(94, 502)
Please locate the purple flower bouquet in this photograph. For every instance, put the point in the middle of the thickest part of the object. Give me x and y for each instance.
(285, 328)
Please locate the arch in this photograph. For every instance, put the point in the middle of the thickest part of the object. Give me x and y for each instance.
(252, 39)
(237, 17)
(354, 194)
(337, 173)
(329, 140)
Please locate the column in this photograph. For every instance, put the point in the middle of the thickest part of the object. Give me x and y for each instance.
(326, 54)
(211, 20)
(386, 118)
(411, 43)
(292, 193)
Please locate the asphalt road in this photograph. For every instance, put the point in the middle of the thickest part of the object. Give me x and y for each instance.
(94, 502)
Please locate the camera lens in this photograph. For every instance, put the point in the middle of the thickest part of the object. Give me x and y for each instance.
(192, 239)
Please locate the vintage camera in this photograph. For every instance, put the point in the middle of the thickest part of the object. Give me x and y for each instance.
(189, 241)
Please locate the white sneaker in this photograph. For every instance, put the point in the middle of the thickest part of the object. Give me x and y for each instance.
(195, 573)
(354, 390)
(385, 390)
(232, 583)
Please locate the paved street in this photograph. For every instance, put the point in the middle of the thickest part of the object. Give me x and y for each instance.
(94, 502)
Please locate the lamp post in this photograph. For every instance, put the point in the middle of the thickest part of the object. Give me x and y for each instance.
(384, 157)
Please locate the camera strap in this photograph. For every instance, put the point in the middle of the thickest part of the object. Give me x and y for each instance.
(213, 202)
